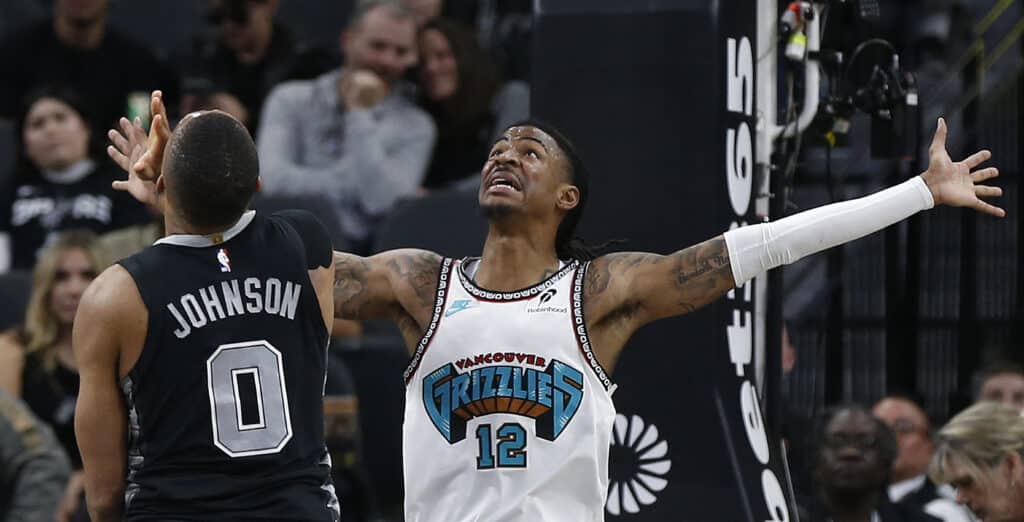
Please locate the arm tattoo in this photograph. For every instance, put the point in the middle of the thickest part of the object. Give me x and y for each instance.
(702, 274)
(351, 274)
(419, 271)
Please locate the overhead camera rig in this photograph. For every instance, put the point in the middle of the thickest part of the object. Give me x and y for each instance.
(862, 74)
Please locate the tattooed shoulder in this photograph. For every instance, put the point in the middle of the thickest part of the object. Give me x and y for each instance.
(418, 270)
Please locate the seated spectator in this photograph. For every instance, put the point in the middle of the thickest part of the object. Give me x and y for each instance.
(908, 421)
(33, 467)
(234, 67)
(981, 454)
(852, 465)
(1002, 382)
(76, 48)
(350, 135)
(36, 361)
(61, 179)
(460, 89)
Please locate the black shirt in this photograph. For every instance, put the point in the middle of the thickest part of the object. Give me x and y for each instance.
(51, 394)
(104, 76)
(32, 210)
(226, 400)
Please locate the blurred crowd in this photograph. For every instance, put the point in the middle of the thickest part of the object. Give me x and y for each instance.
(407, 103)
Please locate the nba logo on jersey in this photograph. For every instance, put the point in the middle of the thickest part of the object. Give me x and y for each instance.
(224, 260)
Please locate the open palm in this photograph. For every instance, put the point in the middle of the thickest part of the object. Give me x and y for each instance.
(139, 154)
(954, 183)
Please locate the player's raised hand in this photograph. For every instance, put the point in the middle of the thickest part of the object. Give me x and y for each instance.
(957, 184)
(128, 144)
(148, 165)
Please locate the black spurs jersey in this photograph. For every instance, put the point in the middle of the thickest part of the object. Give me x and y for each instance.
(225, 402)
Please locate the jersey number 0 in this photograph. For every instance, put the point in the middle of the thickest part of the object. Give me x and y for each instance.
(248, 399)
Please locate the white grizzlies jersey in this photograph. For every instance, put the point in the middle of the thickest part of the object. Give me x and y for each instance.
(508, 415)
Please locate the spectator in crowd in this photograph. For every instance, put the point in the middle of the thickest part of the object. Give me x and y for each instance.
(33, 467)
(1002, 382)
(459, 87)
(504, 29)
(425, 10)
(981, 454)
(853, 463)
(907, 419)
(235, 66)
(350, 135)
(36, 361)
(76, 48)
(61, 179)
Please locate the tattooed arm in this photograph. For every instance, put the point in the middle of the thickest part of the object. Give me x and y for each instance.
(399, 285)
(627, 290)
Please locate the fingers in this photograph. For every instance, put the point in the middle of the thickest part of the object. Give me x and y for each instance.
(117, 139)
(121, 185)
(120, 159)
(991, 210)
(984, 174)
(939, 140)
(977, 158)
(985, 191)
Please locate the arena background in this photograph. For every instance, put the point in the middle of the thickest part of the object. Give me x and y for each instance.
(643, 89)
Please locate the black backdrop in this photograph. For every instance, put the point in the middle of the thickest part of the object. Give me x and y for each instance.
(641, 88)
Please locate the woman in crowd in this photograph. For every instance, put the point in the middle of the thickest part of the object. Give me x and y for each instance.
(61, 179)
(36, 361)
(981, 454)
(459, 87)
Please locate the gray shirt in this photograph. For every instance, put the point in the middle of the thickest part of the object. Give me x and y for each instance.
(361, 160)
(33, 467)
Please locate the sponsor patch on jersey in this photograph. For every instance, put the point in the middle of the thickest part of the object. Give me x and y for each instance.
(224, 260)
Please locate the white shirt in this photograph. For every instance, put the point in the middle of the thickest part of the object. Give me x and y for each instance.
(944, 508)
(508, 415)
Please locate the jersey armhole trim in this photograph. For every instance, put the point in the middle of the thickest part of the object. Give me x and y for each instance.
(579, 328)
(443, 280)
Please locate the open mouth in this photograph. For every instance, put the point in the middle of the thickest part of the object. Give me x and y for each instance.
(503, 181)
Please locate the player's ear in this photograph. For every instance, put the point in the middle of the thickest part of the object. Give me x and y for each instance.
(160, 185)
(568, 197)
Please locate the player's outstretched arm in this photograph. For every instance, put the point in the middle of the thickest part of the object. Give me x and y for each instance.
(107, 313)
(631, 289)
(399, 285)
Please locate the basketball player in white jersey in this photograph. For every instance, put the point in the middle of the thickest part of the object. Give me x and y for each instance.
(508, 411)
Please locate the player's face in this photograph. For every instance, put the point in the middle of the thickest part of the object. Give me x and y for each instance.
(524, 172)
(911, 429)
(55, 136)
(850, 457)
(1005, 388)
(75, 270)
(439, 73)
(382, 43)
(993, 500)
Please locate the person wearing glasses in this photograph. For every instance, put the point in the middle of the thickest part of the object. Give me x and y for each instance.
(905, 416)
(852, 467)
(234, 66)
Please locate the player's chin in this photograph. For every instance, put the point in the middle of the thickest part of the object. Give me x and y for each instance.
(497, 208)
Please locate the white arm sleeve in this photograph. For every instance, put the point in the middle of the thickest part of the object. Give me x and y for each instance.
(757, 248)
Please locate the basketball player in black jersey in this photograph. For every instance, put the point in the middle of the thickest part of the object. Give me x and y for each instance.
(533, 190)
(203, 357)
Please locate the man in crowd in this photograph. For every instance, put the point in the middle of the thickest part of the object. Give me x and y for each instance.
(350, 135)
(33, 467)
(1002, 382)
(76, 48)
(908, 421)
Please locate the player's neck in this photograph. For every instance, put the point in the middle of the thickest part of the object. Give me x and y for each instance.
(174, 224)
(510, 262)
